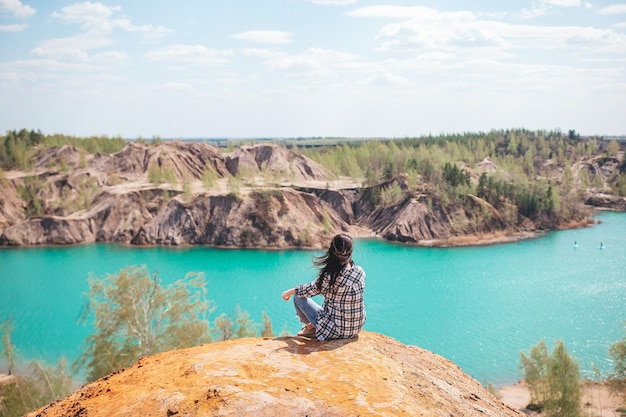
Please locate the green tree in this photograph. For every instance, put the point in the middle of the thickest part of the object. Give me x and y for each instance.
(391, 194)
(554, 380)
(564, 391)
(598, 182)
(512, 147)
(267, 326)
(8, 350)
(209, 178)
(454, 176)
(617, 378)
(41, 384)
(613, 148)
(224, 327)
(136, 316)
(535, 371)
(621, 185)
(29, 193)
(233, 186)
(245, 326)
(572, 135)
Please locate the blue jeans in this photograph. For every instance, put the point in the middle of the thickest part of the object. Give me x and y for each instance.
(307, 310)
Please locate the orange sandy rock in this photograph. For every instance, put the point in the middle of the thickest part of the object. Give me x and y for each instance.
(372, 375)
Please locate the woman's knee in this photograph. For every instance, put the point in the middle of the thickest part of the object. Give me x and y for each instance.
(299, 302)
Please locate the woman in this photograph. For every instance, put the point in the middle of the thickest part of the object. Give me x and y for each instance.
(342, 283)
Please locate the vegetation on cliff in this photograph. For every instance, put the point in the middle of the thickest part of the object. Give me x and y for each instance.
(429, 190)
(545, 176)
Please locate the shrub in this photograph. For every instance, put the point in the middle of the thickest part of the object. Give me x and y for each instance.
(553, 380)
(617, 378)
(136, 316)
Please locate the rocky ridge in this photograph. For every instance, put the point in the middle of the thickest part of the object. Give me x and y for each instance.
(371, 375)
(179, 193)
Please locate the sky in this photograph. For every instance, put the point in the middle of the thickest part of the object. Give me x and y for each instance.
(308, 68)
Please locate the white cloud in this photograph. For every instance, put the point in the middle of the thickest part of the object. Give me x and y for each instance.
(334, 2)
(563, 3)
(177, 86)
(464, 32)
(193, 54)
(386, 80)
(16, 8)
(393, 12)
(13, 27)
(111, 57)
(261, 53)
(73, 47)
(613, 9)
(91, 16)
(426, 27)
(274, 37)
(544, 7)
(50, 74)
(97, 17)
(314, 64)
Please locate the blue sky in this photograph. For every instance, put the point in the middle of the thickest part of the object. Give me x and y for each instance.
(289, 68)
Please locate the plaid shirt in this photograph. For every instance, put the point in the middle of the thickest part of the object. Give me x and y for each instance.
(343, 312)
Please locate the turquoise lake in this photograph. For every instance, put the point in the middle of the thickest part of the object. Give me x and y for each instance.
(477, 306)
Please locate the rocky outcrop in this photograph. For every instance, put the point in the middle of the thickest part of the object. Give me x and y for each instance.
(185, 159)
(272, 158)
(63, 157)
(371, 375)
(407, 219)
(48, 231)
(268, 219)
(607, 201)
(11, 205)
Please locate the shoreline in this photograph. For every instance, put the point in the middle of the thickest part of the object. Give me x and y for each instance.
(359, 232)
(596, 399)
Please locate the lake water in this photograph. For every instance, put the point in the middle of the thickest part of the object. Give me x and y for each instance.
(479, 306)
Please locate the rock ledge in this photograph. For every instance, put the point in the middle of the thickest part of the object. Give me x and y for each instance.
(372, 375)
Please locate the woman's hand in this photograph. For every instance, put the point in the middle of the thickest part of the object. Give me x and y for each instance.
(287, 294)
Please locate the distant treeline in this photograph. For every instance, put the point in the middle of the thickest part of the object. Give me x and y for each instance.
(544, 175)
(16, 147)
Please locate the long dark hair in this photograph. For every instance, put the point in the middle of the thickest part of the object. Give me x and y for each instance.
(338, 256)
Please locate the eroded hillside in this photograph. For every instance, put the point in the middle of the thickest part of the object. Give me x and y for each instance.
(177, 193)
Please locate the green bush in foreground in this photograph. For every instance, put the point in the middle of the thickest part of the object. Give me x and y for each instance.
(553, 380)
(136, 316)
(39, 386)
(617, 379)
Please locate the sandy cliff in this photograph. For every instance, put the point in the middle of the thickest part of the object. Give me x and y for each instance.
(372, 375)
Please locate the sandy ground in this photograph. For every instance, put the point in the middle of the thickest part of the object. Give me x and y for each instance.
(596, 401)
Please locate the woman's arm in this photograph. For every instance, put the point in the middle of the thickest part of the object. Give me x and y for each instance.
(287, 294)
